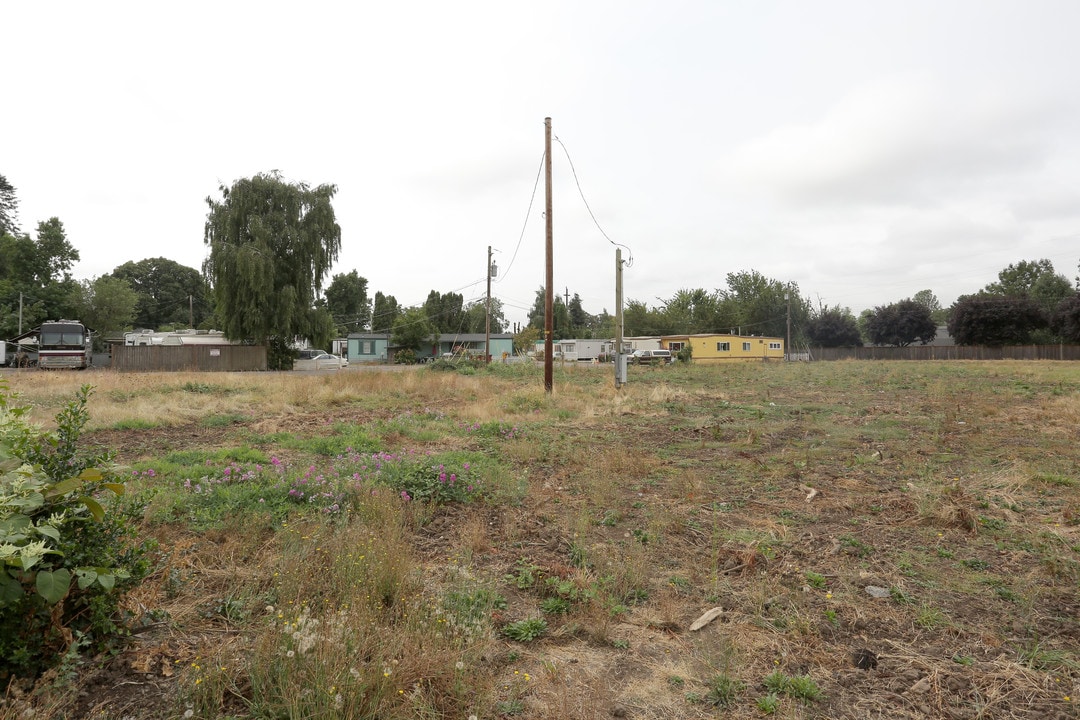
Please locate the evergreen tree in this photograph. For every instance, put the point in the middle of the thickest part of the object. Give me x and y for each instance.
(9, 206)
(383, 313)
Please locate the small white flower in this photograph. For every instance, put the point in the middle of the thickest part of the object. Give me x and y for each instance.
(459, 665)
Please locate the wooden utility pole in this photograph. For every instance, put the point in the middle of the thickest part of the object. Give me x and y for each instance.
(487, 313)
(549, 277)
(787, 347)
(620, 358)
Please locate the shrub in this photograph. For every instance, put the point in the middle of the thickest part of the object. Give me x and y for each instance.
(723, 690)
(64, 560)
(525, 630)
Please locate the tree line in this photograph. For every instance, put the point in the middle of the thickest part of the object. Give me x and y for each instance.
(1029, 303)
(271, 244)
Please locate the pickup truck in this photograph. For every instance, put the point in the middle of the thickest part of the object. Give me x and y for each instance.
(651, 357)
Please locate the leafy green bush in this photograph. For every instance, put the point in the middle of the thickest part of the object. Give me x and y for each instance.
(64, 560)
(525, 630)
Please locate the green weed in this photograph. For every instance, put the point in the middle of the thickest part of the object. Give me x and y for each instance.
(525, 630)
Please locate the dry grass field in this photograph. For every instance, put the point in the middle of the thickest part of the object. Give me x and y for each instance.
(876, 540)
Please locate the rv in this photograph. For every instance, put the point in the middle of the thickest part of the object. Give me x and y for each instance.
(64, 344)
(176, 337)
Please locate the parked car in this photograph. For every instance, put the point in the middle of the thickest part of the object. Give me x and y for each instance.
(651, 357)
(310, 353)
(323, 361)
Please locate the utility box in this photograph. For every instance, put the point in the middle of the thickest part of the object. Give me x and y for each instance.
(620, 369)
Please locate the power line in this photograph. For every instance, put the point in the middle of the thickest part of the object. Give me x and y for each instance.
(573, 170)
(524, 225)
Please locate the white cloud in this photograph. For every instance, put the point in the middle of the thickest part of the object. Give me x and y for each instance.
(899, 141)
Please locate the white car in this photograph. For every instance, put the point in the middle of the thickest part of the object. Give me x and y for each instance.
(323, 361)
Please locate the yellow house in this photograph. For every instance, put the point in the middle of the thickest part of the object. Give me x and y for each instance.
(710, 348)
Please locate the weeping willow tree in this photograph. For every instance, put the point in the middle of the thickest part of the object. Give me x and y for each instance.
(271, 246)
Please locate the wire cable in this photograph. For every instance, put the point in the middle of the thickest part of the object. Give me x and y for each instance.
(573, 170)
(525, 225)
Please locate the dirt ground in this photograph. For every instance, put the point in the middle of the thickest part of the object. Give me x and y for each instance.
(864, 548)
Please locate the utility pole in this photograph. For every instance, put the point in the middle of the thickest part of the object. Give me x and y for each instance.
(487, 313)
(567, 296)
(191, 312)
(787, 347)
(620, 359)
(549, 276)
(20, 313)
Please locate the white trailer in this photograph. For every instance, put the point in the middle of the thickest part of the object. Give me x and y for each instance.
(587, 350)
(177, 337)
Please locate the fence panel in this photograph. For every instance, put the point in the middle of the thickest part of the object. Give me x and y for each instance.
(188, 358)
(950, 352)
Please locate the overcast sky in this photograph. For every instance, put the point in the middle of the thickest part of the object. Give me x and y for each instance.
(864, 150)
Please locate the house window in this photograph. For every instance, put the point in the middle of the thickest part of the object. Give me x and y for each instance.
(367, 348)
(675, 346)
(774, 346)
(723, 347)
(746, 347)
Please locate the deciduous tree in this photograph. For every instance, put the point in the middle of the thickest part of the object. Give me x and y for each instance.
(995, 320)
(834, 327)
(1017, 279)
(169, 294)
(476, 316)
(1065, 321)
(759, 305)
(639, 320)
(40, 272)
(901, 324)
(526, 339)
(929, 300)
(412, 329)
(271, 245)
(690, 311)
(347, 301)
(1034, 279)
(106, 303)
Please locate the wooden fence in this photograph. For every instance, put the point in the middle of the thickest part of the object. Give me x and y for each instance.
(188, 358)
(950, 352)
